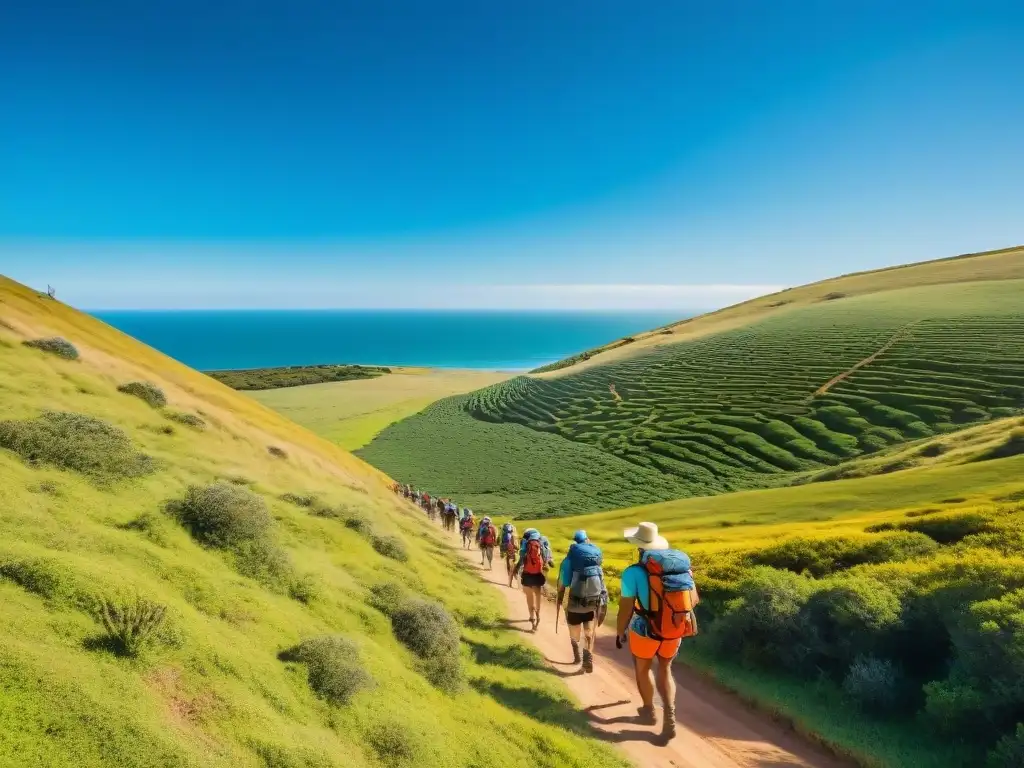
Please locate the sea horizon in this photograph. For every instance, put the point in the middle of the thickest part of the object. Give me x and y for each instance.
(475, 339)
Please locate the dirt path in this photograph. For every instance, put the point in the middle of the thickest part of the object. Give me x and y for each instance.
(716, 729)
(896, 337)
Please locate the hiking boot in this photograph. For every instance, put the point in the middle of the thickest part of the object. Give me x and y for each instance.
(668, 728)
(646, 716)
(588, 661)
(575, 652)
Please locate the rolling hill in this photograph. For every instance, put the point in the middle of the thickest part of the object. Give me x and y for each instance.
(783, 389)
(189, 579)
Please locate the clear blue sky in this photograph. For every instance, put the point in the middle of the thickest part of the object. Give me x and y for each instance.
(176, 153)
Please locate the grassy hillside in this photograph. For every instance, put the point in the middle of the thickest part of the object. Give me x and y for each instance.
(352, 413)
(798, 391)
(885, 614)
(188, 579)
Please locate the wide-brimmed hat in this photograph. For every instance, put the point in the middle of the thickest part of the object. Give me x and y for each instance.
(645, 536)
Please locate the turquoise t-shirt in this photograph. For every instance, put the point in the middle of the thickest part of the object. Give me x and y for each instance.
(635, 585)
(565, 573)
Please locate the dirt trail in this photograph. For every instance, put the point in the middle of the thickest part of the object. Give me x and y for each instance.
(716, 729)
(896, 337)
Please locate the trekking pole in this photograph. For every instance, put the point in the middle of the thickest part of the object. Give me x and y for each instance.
(558, 614)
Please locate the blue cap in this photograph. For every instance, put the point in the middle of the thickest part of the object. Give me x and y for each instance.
(579, 537)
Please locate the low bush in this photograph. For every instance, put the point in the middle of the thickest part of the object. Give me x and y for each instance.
(149, 393)
(55, 346)
(1009, 752)
(264, 561)
(833, 296)
(299, 500)
(306, 589)
(949, 528)
(360, 524)
(391, 546)
(149, 525)
(874, 684)
(387, 596)
(133, 624)
(1013, 446)
(335, 672)
(276, 452)
(188, 419)
(77, 442)
(429, 631)
(393, 744)
(223, 515)
(40, 577)
(933, 449)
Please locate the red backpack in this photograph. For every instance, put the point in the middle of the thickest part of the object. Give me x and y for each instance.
(534, 562)
(488, 536)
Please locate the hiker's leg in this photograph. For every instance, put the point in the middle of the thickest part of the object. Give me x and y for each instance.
(589, 634)
(574, 631)
(644, 683)
(667, 691)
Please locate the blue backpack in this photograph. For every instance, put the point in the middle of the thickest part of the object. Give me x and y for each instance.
(586, 591)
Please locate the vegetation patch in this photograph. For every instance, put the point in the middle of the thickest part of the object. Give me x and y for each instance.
(133, 625)
(277, 452)
(335, 671)
(392, 547)
(429, 631)
(295, 375)
(54, 346)
(149, 393)
(188, 419)
(74, 441)
(223, 515)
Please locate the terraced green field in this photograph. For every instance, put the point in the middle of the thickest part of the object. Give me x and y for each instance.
(789, 396)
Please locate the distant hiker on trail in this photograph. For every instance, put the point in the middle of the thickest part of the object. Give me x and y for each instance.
(534, 559)
(466, 526)
(655, 614)
(487, 538)
(581, 574)
(508, 547)
(451, 515)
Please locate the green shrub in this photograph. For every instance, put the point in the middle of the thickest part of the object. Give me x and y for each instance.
(874, 684)
(387, 596)
(149, 393)
(933, 449)
(38, 576)
(360, 524)
(77, 442)
(276, 452)
(188, 419)
(391, 546)
(1013, 446)
(429, 631)
(55, 346)
(949, 528)
(393, 744)
(149, 525)
(132, 624)
(223, 515)
(306, 589)
(299, 500)
(335, 672)
(1009, 752)
(262, 560)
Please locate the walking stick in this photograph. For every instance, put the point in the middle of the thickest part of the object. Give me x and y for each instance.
(558, 614)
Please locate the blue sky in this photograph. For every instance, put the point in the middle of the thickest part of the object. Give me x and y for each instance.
(573, 154)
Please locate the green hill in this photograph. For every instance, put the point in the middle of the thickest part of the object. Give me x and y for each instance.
(764, 394)
(188, 579)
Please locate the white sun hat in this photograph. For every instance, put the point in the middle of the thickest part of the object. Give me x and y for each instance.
(645, 536)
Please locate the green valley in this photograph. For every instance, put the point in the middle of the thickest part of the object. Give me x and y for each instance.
(790, 395)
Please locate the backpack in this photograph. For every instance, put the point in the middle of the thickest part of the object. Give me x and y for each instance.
(670, 616)
(466, 524)
(488, 535)
(506, 536)
(533, 562)
(586, 591)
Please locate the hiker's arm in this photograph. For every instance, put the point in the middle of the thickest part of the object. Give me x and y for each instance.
(626, 605)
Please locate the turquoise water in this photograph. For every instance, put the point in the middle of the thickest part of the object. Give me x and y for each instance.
(508, 341)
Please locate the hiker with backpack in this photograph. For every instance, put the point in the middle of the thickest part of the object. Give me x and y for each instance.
(655, 615)
(487, 539)
(534, 559)
(466, 525)
(508, 548)
(582, 575)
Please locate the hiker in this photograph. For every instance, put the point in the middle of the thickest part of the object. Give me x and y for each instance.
(581, 574)
(655, 614)
(466, 527)
(534, 559)
(486, 539)
(508, 548)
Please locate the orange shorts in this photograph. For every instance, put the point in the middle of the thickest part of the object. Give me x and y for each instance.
(647, 648)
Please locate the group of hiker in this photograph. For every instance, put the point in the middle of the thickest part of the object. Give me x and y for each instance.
(656, 605)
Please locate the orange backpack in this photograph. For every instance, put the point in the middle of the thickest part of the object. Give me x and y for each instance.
(534, 562)
(670, 616)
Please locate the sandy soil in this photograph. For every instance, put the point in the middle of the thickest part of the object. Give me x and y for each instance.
(716, 729)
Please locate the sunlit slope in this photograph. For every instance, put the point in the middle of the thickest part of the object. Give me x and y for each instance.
(797, 393)
(352, 413)
(1004, 264)
(85, 520)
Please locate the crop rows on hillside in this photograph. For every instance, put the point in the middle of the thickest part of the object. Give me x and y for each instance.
(809, 388)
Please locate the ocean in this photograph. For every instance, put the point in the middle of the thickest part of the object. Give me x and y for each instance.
(489, 340)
